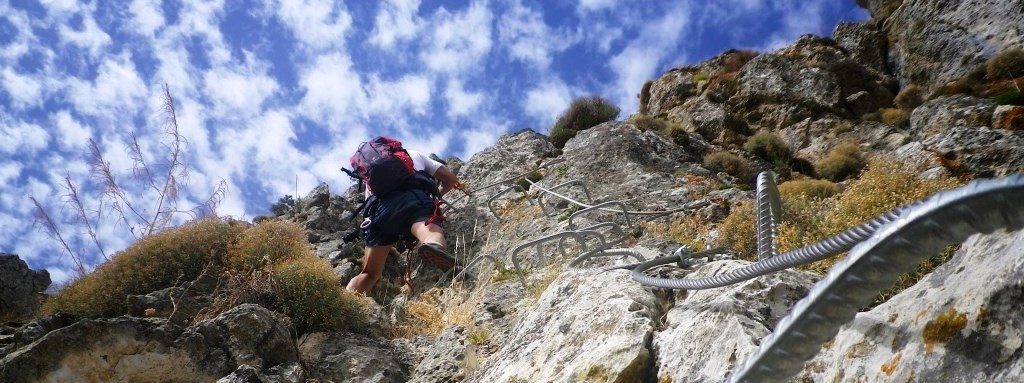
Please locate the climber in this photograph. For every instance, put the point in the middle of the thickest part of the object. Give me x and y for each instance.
(403, 201)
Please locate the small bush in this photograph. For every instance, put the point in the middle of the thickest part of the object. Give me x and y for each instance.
(536, 176)
(738, 232)
(154, 262)
(284, 205)
(769, 147)
(895, 116)
(268, 243)
(648, 123)
(583, 113)
(309, 292)
(1005, 65)
(1009, 97)
(701, 76)
(961, 86)
(842, 162)
(731, 164)
(909, 98)
(808, 189)
(1013, 120)
(678, 135)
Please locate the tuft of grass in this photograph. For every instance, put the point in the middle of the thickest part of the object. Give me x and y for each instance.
(561, 171)
(1009, 97)
(154, 262)
(583, 113)
(731, 164)
(479, 335)
(895, 116)
(701, 76)
(309, 292)
(535, 176)
(943, 328)
(737, 231)
(268, 243)
(678, 135)
(842, 162)
(648, 123)
(423, 317)
(909, 98)
(809, 189)
(769, 147)
(1005, 65)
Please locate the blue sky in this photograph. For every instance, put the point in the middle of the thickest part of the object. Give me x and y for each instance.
(273, 96)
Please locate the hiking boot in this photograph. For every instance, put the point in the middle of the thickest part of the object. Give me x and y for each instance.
(435, 255)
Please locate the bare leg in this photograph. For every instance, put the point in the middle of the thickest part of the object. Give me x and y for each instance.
(428, 234)
(373, 266)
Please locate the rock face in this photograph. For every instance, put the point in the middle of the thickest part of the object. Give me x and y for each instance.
(709, 332)
(934, 42)
(961, 323)
(939, 115)
(585, 327)
(20, 288)
(128, 349)
(513, 154)
(337, 357)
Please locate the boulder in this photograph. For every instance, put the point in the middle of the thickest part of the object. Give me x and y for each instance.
(184, 301)
(513, 154)
(320, 196)
(709, 332)
(347, 357)
(446, 359)
(979, 151)
(789, 90)
(20, 288)
(864, 42)
(961, 323)
(939, 115)
(712, 121)
(1008, 117)
(586, 326)
(670, 91)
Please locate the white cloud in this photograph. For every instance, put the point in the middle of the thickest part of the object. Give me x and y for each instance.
(391, 99)
(317, 24)
(91, 37)
(797, 19)
(640, 59)
(333, 90)
(585, 6)
(60, 7)
(460, 41)
(72, 134)
(523, 31)
(10, 171)
(238, 92)
(396, 21)
(146, 16)
(117, 88)
(23, 137)
(461, 102)
(547, 100)
(482, 138)
(24, 90)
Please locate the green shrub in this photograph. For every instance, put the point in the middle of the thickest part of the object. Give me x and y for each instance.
(1009, 97)
(909, 98)
(842, 162)
(895, 116)
(583, 113)
(154, 262)
(309, 292)
(701, 76)
(268, 243)
(737, 231)
(808, 189)
(284, 205)
(769, 147)
(648, 123)
(536, 176)
(1005, 65)
(678, 135)
(730, 164)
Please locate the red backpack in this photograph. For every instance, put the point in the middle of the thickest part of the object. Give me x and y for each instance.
(383, 165)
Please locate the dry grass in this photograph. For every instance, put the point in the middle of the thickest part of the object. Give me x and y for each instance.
(769, 147)
(808, 189)
(909, 98)
(423, 317)
(895, 116)
(731, 164)
(308, 291)
(737, 231)
(1005, 65)
(648, 123)
(842, 162)
(583, 113)
(688, 230)
(268, 243)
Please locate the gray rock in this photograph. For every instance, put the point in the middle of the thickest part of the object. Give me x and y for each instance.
(346, 357)
(20, 288)
(939, 115)
(670, 91)
(935, 42)
(712, 121)
(184, 301)
(710, 332)
(320, 196)
(279, 374)
(445, 361)
(1000, 118)
(865, 42)
(861, 103)
(346, 270)
(979, 151)
(513, 154)
(586, 326)
(972, 302)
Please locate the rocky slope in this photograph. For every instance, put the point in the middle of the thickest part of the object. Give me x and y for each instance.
(959, 323)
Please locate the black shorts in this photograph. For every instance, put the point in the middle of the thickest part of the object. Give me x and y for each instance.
(391, 218)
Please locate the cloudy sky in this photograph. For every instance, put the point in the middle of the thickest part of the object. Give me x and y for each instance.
(272, 96)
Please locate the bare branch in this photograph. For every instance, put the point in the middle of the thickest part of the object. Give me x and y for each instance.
(100, 169)
(140, 169)
(76, 202)
(168, 197)
(51, 230)
(209, 207)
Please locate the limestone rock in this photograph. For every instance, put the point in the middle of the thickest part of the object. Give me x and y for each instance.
(712, 121)
(1008, 117)
(183, 301)
(446, 359)
(513, 154)
(935, 42)
(774, 81)
(586, 326)
(710, 332)
(320, 196)
(345, 357)
(20, 288)
(865, 42)
(670, 91)
(939, 115)
(979, 151)
(961, 323)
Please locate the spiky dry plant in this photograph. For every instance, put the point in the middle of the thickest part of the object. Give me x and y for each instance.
(161, 180)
